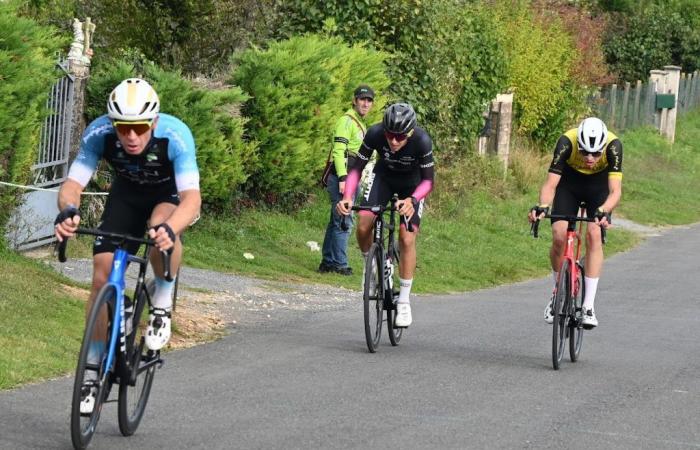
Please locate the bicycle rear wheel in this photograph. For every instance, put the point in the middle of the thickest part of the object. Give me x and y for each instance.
(92, 376)
(576, 324)
(373, 297)
(135, 390)
(560, 307)
(394, 332)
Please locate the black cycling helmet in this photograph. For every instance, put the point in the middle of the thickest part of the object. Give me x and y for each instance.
(399, 118)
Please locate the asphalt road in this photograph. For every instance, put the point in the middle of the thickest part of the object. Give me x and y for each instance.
(473, 371)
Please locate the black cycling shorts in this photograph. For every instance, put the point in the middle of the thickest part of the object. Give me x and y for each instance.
(128, 210)
(575, 187)
(380, 189)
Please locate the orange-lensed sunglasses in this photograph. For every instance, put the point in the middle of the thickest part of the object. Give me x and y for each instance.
(139, 128)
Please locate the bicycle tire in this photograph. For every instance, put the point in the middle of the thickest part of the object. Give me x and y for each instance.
(394, 332)
(134, 393)
(576, 324)
(373, 301)
(559, 311)
(83, 426)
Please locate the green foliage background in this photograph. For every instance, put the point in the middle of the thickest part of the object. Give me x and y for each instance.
(667, 33)
(26, 72)
(299, 87)
(211, 112)
(446, 57)
(540, 57)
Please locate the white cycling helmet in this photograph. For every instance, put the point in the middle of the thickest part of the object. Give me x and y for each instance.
(133, 100)
(592, 135)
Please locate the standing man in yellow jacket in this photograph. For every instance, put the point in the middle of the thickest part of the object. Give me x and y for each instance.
(349, 132)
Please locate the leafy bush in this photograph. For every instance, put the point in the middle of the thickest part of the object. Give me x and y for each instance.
(447, 61)
(211, 113)
(27, 73)
(194, 36)
(650, 38)
(299, 87)
(541, 57)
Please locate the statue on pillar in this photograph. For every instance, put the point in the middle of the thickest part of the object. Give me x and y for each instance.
(76, 48)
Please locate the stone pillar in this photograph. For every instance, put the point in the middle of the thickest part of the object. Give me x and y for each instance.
(79, 58)
(505, 122)
(672, 83)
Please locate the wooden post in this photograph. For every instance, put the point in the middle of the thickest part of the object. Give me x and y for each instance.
(658, 80)
(684, 90)
(625, 102)
(693, 89)
(637, 97)
(672, 84)
(613, 105)
(505, 121)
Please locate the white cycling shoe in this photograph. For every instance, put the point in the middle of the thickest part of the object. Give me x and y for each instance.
(549, 313)
(589, 319)
(158, 331)
(403, 315)
(89, 391)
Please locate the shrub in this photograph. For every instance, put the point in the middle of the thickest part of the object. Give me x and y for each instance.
(446, 59)
(299, 87)
(223, 155)
(541, 57)
(27, 73)
(650, 38)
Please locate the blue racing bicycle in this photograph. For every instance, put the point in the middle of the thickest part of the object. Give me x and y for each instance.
(113, 348)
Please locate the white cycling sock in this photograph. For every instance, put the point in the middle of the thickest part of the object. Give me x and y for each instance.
(591, 288)
(405, 290)
(163, 295)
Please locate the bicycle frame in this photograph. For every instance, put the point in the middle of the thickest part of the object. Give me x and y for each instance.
(572, 234)
(118, 281)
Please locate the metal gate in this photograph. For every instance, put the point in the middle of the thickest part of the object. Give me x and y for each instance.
(32, 222)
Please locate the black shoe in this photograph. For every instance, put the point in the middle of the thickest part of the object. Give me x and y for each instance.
(347, 271)
(325, 268)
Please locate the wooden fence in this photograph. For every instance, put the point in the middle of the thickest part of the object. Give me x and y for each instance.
(633, 105)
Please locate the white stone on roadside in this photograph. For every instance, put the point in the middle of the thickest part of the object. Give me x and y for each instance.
(313, 245)
(248, 256)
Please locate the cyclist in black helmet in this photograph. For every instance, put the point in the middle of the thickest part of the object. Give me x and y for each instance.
(404, 166)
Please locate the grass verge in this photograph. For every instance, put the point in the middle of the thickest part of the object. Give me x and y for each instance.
(41, 322)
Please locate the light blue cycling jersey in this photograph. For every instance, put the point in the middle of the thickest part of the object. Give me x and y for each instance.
(170, 154)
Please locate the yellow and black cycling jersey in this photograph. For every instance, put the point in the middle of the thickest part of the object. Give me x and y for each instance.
(566, 153)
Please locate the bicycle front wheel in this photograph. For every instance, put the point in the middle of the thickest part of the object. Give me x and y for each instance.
(576, 324)
(394, 332)
(92, 377)
(560, 307)
(134, 391)
(373, 297)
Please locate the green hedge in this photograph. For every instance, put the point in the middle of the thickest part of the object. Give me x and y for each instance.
(27, 72)
(299, 87)
(650, 38)
(211, 113)
(446, 58)
(540, 66)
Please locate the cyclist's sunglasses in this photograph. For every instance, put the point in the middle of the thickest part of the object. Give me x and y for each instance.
(398, 137)
(137, 127)
(591, 154)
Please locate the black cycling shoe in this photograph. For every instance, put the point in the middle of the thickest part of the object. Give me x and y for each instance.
(347, 271)
(325, 268)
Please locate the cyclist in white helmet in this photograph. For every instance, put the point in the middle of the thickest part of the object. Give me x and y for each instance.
(156, 182)
(587, 166)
